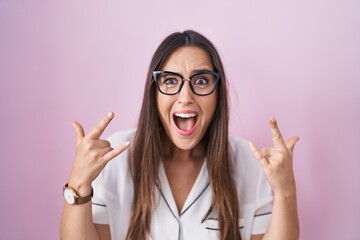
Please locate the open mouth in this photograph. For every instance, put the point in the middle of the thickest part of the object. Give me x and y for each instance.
(185, 122)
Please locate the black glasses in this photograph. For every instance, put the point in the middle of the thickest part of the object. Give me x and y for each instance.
(202, 83)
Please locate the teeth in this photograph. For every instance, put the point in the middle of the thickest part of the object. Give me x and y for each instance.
(185, 115)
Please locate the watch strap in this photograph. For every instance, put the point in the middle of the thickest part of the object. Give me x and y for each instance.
(80, 200)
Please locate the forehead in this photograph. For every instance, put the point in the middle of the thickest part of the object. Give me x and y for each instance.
(188, 58)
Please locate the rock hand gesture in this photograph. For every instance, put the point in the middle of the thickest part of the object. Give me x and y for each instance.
(92, 154)
(277, 164)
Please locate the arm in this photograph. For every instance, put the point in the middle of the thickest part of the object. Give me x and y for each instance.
(277, 166)
(92, 154)
(284, 221)
(76, 223)
(257, 237)
(103, 231)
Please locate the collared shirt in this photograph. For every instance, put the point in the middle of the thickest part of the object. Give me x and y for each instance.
(113, 197)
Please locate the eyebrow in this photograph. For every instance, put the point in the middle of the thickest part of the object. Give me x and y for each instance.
(201, 70)
(192, 73)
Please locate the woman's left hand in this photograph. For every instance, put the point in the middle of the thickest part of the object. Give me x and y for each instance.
(277, 162)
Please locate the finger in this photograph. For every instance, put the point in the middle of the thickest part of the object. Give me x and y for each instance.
(104, 151)
(112, 154)
(96, 132)
(267, 152)
(101, 143)
(276, 134)
(79, 131)
(291, 144)
(257, 153)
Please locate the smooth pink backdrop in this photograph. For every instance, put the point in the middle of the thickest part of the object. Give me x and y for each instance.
(65, 60)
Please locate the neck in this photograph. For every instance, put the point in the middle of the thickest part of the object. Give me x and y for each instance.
(173, 153)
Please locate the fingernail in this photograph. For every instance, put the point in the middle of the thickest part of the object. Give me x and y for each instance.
(126, 144)
(110, 114)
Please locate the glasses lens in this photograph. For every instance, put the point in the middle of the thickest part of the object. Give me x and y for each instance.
(168, 83)
(203, 83)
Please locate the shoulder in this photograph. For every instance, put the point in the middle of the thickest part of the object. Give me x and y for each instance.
(116, 171)
(238, 143)
(114, 181)
(247, 171)
(120, 137)
(241, 153)
(117, 139)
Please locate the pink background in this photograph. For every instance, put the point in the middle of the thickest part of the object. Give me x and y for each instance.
(65, 60)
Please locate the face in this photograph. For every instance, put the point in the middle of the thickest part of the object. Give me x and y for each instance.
(186, 116)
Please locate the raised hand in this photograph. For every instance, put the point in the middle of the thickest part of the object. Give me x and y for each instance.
(277, 161)
(92, 154)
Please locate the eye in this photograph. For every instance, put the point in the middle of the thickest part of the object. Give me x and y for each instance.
(201, 81)
(170, 81)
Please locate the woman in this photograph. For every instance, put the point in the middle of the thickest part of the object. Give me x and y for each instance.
(182, 177)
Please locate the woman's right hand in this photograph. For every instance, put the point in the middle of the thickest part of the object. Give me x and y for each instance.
(92, 154)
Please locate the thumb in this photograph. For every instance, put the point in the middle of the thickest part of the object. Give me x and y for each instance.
(291, 144)
(79, 131)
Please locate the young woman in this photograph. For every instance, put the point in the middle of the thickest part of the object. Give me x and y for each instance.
(179, 175)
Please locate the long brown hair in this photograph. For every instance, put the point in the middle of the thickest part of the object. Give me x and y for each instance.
(145, 153)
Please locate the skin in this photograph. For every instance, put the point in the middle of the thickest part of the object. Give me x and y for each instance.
(183, 160)
(92, 154)
(185, 155)
(277, 164)
(186, 60)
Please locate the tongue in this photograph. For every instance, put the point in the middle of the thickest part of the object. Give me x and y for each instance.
(185, 124)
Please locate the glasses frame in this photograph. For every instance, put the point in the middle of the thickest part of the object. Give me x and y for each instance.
(156, 73)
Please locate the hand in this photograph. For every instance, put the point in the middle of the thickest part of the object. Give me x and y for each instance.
(277, 162)
(92, 154)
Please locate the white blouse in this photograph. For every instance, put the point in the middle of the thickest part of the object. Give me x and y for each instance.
(113, 197)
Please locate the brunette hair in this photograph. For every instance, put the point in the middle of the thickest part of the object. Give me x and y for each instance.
(146, 153)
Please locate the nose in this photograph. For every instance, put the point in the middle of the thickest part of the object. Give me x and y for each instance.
(186, 95)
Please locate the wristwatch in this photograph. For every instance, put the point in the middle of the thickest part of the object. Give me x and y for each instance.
(72, 198)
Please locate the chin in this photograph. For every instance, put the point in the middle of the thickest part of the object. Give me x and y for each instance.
(185, 145)
(187, 142)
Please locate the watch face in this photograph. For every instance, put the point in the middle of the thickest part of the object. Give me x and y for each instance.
(69, 196)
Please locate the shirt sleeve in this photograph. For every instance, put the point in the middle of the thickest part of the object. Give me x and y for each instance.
(263, 212)
(99, 208)
(262, 219)
(255, 195)
(109, 183)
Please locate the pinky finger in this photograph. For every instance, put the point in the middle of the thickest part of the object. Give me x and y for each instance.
(257, 153)
(112, 154)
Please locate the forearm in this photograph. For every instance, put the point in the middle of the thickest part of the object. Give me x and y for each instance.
(92, 155)
(284, 223)
(77, 223)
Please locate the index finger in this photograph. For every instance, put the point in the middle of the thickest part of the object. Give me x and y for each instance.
(278, 140)
(79, 131)
(96, 132)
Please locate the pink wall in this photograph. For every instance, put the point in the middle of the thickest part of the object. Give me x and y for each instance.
(64, 60)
